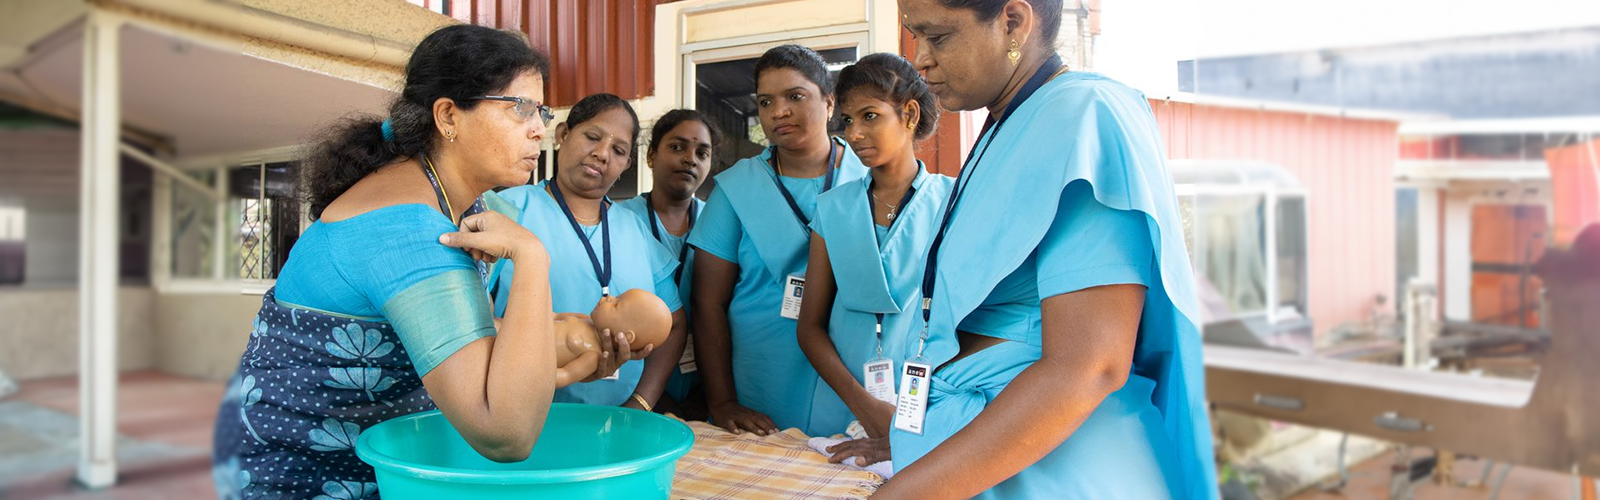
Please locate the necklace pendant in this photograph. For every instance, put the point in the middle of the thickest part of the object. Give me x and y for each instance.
(889, 216)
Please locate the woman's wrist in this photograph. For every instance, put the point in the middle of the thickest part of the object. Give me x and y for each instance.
(640, 400)
(530, 254)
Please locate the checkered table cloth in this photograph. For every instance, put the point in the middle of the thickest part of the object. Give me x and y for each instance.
(723, 465)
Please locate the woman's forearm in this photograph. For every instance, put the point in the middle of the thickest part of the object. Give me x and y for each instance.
(713, 343)
(819, 349)
(497, 390)
(1037, 412)
(522, 366)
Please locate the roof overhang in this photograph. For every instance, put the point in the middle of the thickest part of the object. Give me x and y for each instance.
(208, 79)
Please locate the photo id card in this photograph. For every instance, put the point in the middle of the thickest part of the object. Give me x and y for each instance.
(913, 403)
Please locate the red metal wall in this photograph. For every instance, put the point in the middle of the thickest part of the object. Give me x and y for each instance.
(594, 45)
(1346, 165)
(942, 152)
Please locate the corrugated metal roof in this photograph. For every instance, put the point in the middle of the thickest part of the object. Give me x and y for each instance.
(594, 45)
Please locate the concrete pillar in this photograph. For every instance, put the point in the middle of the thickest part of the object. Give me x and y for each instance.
(97, 262)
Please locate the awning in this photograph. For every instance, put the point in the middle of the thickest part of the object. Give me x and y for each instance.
(196, 82)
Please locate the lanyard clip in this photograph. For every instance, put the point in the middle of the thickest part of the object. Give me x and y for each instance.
(922, 343)
(605, 291)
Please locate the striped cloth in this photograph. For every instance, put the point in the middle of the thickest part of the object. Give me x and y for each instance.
(723, 465)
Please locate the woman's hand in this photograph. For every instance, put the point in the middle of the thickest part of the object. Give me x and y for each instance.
(491, 236)
(877, 418)
(866, 451)
(614, 352)
(736, 418)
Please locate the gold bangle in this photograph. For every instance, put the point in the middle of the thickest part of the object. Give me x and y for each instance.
(640, 399)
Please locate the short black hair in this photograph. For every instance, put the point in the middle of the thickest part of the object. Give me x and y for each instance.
(799, 58)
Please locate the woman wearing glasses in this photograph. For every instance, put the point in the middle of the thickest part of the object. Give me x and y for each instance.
(601, 251)
(379, 312)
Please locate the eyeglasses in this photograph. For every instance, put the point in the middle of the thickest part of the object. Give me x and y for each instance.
(525, 109)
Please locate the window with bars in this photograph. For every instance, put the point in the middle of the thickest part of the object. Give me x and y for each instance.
(264, 208)
(247, 233)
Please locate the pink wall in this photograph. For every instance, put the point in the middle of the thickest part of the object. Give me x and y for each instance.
(1346, 164)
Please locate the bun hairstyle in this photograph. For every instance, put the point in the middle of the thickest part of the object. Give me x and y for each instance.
(893, 79)
(457, 62)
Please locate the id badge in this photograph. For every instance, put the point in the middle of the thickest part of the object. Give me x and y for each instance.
(686, 362)
(878, 377)
(913, 403)
(793, 289)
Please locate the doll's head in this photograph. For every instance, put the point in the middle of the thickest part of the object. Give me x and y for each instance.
(637, 311)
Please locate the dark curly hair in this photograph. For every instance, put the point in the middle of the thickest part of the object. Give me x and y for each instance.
(457, 62)
(673, 118)
(893, 79)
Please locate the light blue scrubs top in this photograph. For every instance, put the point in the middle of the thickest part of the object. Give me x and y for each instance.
(638, 208)
(1057, 204)
(876, 269)
(637, 261)
(679, 384)
(747, 222)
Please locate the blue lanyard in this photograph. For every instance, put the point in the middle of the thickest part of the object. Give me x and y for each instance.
(964, 177)
(601, 272)
(683, 251)
(477, 207)
(805, 222)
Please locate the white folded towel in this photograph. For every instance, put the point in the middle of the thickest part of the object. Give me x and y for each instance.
(821, 444)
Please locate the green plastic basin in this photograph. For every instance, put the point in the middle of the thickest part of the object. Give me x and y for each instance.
(584, 452)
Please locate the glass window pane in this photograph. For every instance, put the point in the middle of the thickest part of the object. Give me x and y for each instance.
(1292, 270)
(264, 219)
(194, 225)
(1234, 255)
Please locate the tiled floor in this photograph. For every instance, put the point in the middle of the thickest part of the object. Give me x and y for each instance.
(152, 407)
(159, 408)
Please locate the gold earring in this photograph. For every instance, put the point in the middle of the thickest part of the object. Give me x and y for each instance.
(911, 125)
(451, 135)
(1014, 55)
